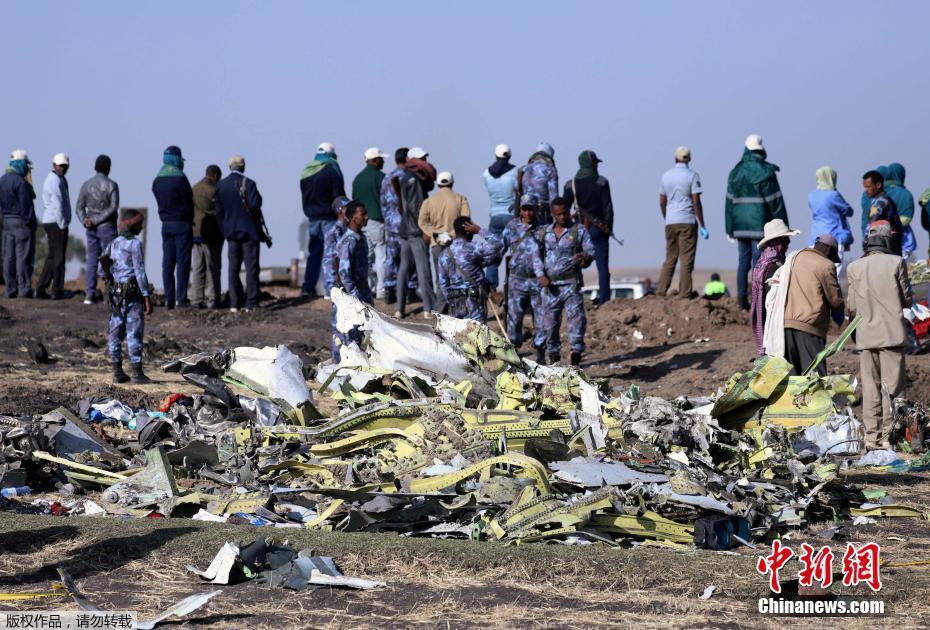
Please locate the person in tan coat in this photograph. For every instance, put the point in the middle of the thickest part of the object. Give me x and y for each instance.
(813, 296)
(437, 216)
(879, 289)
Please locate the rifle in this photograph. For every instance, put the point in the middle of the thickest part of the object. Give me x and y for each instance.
(256, 214)
(506, 288)
(590, 219)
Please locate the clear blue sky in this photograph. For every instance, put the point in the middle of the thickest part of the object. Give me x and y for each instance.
(839, 83)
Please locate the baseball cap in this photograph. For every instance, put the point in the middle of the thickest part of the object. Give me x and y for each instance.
(502, 151)
(340, 202)
(445, 179)
(236, 162)
(372, 153)
(326, 147)
(61, 159)
(417, 153)
(754, 142)
(529, 199)
(683, 154)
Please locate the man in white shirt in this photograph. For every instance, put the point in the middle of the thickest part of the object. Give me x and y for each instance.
(680, 203)
(56, 216)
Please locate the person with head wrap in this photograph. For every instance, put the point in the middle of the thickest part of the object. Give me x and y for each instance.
(19, 225)
(96, 208)
(904, 202)
(540, 178)
(128, 297)
(321, 182)
(879, 289)
(175, 199)
(813, 297)
(589, 191)
(500, 180)
(830, 212)
(753, 199)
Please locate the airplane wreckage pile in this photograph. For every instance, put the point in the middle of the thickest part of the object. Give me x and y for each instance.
(442, 430)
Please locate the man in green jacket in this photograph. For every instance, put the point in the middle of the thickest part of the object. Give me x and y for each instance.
(366, 188)
(753, 199)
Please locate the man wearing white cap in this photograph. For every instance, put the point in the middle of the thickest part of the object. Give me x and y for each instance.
(501, 181)
(753, 199)
(366, 188)
(321, 183)
(680, 203)
(56, 217)
(19, 225)
(437, 222)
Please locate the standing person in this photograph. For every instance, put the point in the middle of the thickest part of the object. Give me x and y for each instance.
(753, 199)
(19, 225)
(175, 200)
(568, 249)
(412, 188)
(590, 192)
(366, 189)
(56, 217)
(866, 203)
(207, 253)
(391, 211)
(540, 177)
(97, 207)
(904, 202)
(813, 296)
(879, 289)
(830, 211)
(330, 241)
(461, 270)
(500, 179)
(353, 271)
(881, 207)
(437, 222)
(680, 203)
(320, 183)
(127, 296)
(238, 204)
(525, 268)
(773, 250)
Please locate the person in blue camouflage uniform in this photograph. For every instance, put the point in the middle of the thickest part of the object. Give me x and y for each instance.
(524, 269)
(330, 239)
(352, 272)
(461, 270)
(567, 250)
(541, 178)
(391, 210)
(128, 297)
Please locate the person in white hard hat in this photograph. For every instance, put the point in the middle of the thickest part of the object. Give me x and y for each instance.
(321, 183)
(501, 181)
(366, 188)
(753, 199)
(19, 225)
(56, 217)
(437, 222)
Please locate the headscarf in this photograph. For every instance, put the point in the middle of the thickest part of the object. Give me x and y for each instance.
(172, 165)
(423, 170)
(318, 163)
(772, 255)
(587, 165)
(18, 166)
(500, 166)
(826, 178)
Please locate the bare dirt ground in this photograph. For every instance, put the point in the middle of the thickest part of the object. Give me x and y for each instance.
(667, 346)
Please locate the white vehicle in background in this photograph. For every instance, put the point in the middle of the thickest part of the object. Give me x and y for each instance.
(622, 289)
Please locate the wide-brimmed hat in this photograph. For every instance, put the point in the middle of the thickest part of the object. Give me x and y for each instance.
(776, 228)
